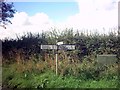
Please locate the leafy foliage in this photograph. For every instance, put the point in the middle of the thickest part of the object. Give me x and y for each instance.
(28, 46)
(7, 12)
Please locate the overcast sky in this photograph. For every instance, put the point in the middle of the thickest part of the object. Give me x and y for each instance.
(93, 15)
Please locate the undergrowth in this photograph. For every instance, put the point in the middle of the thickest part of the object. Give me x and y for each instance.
(38, 75)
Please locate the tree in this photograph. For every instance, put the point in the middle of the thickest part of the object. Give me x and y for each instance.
(6, 12)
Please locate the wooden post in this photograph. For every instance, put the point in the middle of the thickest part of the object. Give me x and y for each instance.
(56, 63)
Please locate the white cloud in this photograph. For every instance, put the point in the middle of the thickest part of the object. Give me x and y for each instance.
(95, 15)
(89, 6)
(40, 19)
(22, 23)
(20, 19)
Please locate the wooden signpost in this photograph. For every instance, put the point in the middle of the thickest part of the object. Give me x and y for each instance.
(59, 46)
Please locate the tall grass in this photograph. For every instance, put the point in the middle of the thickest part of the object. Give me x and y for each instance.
(40, 75)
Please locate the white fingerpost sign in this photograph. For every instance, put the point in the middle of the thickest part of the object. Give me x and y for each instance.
(57, 47)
